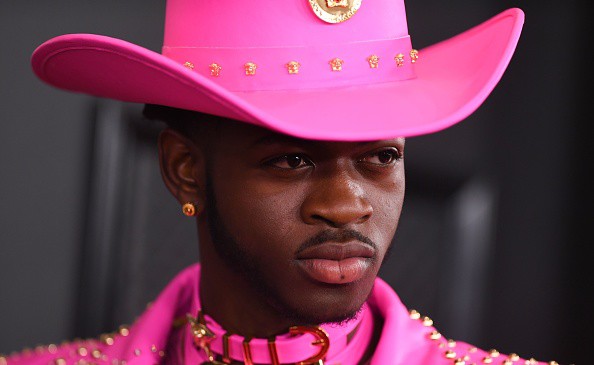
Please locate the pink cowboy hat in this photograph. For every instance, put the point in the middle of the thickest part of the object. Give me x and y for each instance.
(341, 70)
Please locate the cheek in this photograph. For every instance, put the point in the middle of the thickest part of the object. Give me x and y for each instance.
(261, 217)
(387, 207)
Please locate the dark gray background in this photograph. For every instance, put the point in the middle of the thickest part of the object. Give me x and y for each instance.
(494, 235)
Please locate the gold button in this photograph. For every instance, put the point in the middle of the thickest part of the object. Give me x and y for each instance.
(493, 353)
(450, 354)
(124, 331)
(106, 339)
(434, 335)
(427, 321)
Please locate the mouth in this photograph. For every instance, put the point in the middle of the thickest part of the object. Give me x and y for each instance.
(336, 263)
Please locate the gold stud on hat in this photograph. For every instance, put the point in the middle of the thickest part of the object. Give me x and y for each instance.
(215, 69)
(373, 61)
(414, 55)
(293, 67)
(336, 64)
(399, 60)
(250, 68)
(189, 209)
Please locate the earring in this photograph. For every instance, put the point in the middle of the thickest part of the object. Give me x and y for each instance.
(189, 209)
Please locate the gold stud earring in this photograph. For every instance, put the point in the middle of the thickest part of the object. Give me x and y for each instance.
(189, 209)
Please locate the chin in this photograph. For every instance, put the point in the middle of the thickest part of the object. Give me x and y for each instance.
(317, 316)
(325, 304)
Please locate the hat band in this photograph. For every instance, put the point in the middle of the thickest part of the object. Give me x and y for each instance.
(288, 68)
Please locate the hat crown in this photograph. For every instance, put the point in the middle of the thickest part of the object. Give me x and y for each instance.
(266, 23)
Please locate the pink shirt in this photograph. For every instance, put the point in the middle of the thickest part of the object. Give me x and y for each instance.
(407, 338)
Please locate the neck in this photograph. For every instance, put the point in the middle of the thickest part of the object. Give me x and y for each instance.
(232, 301)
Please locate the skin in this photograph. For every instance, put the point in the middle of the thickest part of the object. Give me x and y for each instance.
(262, 197)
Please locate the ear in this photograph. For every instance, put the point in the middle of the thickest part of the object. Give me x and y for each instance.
(182, 168)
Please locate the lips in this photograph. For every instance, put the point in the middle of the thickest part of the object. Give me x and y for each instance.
(336, 263)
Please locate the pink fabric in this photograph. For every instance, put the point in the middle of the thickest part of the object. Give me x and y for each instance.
(404, 341)
(260, 23)
(314, 71)
(290, 349)
(359, 103)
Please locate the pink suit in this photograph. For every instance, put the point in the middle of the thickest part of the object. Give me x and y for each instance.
(406, 337)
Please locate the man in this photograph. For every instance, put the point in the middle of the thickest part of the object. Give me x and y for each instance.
(286, 143)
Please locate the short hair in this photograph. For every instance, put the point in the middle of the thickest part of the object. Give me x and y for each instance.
(189, 123)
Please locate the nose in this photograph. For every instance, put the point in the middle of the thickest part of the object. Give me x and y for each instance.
(337, 201)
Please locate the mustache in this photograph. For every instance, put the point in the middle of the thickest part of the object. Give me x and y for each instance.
(336, 236)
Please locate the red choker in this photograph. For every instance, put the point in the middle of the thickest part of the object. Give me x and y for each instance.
(344, 344)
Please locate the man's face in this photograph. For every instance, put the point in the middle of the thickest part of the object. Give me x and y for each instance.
(308, 222)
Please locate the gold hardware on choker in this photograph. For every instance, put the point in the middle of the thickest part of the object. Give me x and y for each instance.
(226, 358)
(202, 337)
(272, 351)
(322, 340)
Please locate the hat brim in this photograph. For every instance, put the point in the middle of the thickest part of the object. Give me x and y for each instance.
(454, 77)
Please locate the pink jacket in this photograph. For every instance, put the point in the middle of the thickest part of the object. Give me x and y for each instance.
(407, 338)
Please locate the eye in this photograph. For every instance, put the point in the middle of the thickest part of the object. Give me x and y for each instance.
(386, 156)
(291, 162)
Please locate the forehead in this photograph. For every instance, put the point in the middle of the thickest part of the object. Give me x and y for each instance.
(247, 137)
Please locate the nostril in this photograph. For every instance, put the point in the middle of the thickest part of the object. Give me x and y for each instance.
(365, 217)
(318, 217)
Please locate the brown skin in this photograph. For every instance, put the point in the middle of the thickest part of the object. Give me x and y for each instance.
(263, 195)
